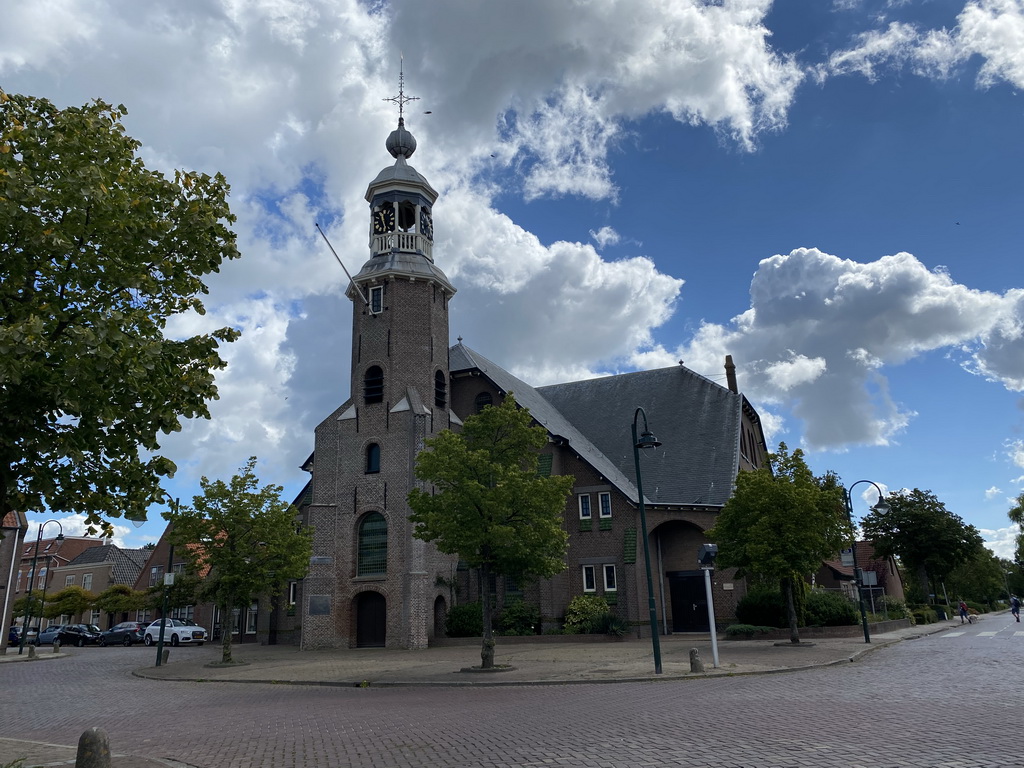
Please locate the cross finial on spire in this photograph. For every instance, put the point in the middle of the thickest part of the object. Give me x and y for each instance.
(401, 99)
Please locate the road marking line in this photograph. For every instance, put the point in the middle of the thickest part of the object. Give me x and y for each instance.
(1018, 634)
(953, 634)
(987, 634)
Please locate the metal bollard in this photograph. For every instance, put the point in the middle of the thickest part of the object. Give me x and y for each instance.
(31, 651)
(93, 749)
(56, 645)
(696, 665)
(166, 655)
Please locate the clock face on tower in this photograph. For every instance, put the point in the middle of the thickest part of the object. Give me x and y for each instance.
(384, 219)
(426, 225)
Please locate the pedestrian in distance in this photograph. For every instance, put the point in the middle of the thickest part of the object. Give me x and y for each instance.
(1015, 607)
(965, 616)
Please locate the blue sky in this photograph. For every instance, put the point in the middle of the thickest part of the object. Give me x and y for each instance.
(829, 191)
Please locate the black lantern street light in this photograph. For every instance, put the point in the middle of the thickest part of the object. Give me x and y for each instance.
(31, 581)
(646, 440)
(881, 507)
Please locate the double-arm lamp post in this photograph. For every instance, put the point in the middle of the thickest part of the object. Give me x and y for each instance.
(646, 440)
(881, 507)
(31, 581)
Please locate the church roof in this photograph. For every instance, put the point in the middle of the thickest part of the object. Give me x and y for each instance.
(697, 420)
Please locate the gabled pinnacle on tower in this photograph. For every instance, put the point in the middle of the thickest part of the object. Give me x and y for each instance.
(401, 143)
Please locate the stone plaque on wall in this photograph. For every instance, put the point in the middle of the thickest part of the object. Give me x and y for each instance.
(319, 605)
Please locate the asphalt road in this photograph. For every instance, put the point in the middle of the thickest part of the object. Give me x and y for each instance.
(952, 700)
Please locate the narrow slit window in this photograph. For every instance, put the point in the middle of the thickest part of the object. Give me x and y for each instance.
(373, 385)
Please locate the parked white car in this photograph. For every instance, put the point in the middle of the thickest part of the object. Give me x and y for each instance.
(176, 632)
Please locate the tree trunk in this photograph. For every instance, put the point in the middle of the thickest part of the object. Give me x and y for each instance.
(487, 649)
(227, 626)
(787, 590)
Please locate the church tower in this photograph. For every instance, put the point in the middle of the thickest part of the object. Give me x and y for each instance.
(370, 582)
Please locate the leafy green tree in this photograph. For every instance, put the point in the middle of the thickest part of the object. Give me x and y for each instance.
(118, 599)
(781, 523)
(71, 601)
(929, 540)
(30, 604)
(1016, 515)
(491, 508)
(96, 254)
(979, 578)
(245, 539)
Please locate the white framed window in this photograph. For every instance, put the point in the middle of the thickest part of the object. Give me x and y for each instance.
(87, 583)
(94, 617)
(585, 511)
(604, 500)
(293, 592)
(188, 612)
(376, 299)
(41, 583)
(156, 575)
(18, 587)
(609, 578)
(589, 580)
(143, 616)
(69, 580)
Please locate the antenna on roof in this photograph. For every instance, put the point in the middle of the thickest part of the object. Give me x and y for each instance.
(354, 283)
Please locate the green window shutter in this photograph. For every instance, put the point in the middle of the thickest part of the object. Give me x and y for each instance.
(544, 464)
(629, 546)
(605, 524)
(586, 525)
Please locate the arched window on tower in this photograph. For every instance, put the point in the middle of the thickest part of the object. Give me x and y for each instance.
(373, 545)
(372, 459)
(482, 401)
(440, 390)
(373, 385)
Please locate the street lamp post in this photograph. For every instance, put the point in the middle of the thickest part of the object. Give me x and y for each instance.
(646, 440)
(881, 506)
(31, 581)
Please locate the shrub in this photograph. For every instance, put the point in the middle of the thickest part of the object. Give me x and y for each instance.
(830, 609)
(924, 615)
(518, 618)
(763, 606)
(892, 607)
(583, 610)
(746, 631)
(465, 621)
(610, 624)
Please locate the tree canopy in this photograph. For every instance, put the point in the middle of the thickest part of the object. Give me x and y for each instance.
(489, 505)
(781, 523)
(97, 252)
(929, 540)
(1016, 515)
(244, 540)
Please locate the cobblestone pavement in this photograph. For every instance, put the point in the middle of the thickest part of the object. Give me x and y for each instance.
(949, 700)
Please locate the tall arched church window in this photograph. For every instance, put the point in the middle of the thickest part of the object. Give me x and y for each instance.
(482, 401)
(372, 458)
(373, 385)
(373, 545)
(440, 390)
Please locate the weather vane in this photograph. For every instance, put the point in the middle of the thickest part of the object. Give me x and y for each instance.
(401, 99)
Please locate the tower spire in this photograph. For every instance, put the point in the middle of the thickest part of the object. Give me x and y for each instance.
(401, 99)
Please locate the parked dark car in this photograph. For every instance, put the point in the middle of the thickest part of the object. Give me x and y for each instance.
(125, 633)
(70, 634)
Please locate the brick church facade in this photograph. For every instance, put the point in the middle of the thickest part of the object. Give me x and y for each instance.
(371, 583)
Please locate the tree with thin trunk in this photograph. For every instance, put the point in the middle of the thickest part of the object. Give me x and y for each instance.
(489, 505)
(244, 542)
(929, 540)
(1016, 515)
(97, 254)
(781, 523)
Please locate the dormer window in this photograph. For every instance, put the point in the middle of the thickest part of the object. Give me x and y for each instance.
(376, 299)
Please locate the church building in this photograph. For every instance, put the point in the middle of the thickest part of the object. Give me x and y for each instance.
(371, 583)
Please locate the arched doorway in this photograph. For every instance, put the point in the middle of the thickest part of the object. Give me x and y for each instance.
(440, 616)
(371, 620)
(686, 605)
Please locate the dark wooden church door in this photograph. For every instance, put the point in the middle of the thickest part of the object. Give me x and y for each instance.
(371, 620)
(689, 601)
